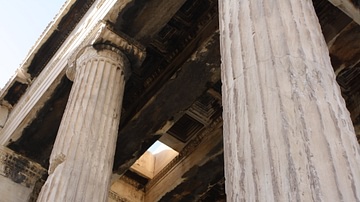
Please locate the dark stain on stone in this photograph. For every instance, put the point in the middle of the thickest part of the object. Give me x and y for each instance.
(38, 138)
(36, 190)
(331, 18)
(345, 50)
(58, 36)
(164, 105)
(356, 3)
(197, 181)
(125, 19)
(335, 61)
(149, 98)
(16, 172)
(191, 173)
(219, 147)
(15, 92)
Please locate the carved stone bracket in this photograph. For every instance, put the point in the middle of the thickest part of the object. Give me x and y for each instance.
(103, 37)
(20, 169)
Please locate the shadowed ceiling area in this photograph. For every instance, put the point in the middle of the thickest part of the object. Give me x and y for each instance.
(175, 95)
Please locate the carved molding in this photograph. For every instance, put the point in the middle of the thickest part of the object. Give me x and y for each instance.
(113, 195)
(130, 181)
(42, 87)
(20, 169)
(102, 37)
(101, 52)
(188, 149)
(130, 47)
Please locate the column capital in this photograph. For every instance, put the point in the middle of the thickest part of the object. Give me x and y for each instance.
(104, 38)
(101, 52)
(91, 120)
(20, 169)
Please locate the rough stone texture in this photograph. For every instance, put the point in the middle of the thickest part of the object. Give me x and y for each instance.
(287, 133)
(19, 177)
(125, 191)
(4, 113)
(82, 158)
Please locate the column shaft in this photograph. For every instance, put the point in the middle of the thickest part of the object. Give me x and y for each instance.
(82, 158)
(287, 133)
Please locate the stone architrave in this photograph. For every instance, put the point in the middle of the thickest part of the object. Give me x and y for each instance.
(287, 133)
(20, 178)
(82, 158)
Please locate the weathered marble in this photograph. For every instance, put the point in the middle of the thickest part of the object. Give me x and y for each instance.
(20, 178)
(82, 158)
(287, 133)
(126, 190)
(4, 114)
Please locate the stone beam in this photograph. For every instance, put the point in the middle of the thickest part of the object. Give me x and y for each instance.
(134, 21)
(20, 178)
(198, 165)
(350, 7)
(156, 113)
(49, 78)
(344, 49)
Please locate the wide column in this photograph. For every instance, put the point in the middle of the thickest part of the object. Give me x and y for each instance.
(82, 158)
(287, 133)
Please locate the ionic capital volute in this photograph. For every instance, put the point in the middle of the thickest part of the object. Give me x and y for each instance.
(106, 39)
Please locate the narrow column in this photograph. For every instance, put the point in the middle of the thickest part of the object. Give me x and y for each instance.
(287, 133)
(82, 158)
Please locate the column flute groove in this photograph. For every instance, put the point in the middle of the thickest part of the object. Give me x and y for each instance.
(80, 169)
(291, 184)
(287, 133)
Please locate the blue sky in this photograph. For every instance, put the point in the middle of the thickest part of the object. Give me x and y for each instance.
(22, 22)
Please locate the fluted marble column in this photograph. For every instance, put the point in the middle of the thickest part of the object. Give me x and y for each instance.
(82, 158)
(287, 133)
